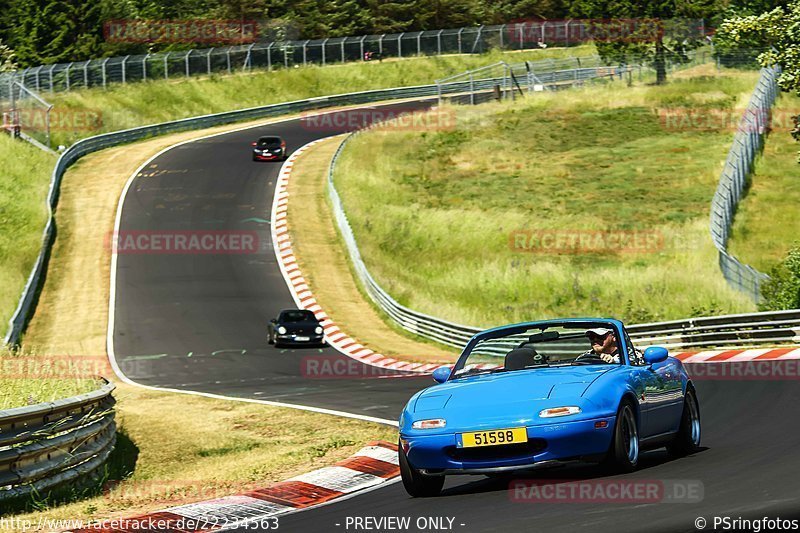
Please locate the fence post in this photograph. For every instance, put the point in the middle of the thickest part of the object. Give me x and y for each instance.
(286, 54)
(305, 49)
(166, 66)
(502, 31)
(186, 61)
(66, 78)
(269, 56)
(37, 77)
(460, 31)
(228, 59)
(124, 63)
(208, 60)
(419, 44)
(85, 75)
(342, 47)
(50, 75)
(400, 44)
(380, 44)
(103, 68)
(324, 43)
(439, 42)
(361, 47)
(471, 89)
(144, 66)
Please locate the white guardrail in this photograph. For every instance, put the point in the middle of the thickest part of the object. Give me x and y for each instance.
(47, 445)
(107, 140)
(767, 328)
(757, 328)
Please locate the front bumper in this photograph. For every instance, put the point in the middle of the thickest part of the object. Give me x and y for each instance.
(292, 338)
(547, 444)
(267, 157)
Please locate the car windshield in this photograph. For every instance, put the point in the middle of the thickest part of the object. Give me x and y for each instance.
(297, 316)
(520, 347)
(269, 141)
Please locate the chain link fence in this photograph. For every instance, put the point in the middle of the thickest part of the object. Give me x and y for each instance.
(747, 143)
(285, 54)
(26, 115)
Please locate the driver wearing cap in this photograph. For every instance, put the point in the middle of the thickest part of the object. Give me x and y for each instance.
(604, 344)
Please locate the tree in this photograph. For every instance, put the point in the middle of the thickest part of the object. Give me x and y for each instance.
(782, 290)
(652, 30)
(777, 32)
(6, 58)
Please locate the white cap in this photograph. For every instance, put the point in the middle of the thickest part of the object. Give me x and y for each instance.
(600, 332)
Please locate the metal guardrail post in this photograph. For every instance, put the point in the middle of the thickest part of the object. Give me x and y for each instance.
(186, 61)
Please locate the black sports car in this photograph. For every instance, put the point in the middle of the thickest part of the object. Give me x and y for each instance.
(270, 148)
(295, 326)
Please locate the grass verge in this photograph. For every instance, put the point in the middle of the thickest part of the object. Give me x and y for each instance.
(23, 213)
(324, 263)
(88, 111)
(765, 226)
(454, 222)
(166, 460)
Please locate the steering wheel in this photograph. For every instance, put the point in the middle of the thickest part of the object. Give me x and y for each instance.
(588, 359)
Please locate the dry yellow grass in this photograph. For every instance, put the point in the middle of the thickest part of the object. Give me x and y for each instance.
(234, 445)
(323, 260)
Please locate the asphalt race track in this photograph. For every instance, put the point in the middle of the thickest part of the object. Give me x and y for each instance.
(198, 322)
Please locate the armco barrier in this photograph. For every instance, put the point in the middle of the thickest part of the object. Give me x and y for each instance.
(46, 445)
(107, 140)
(769, 328)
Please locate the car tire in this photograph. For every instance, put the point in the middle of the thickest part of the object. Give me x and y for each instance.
(417, 484)
(687, 441)
(624, 453)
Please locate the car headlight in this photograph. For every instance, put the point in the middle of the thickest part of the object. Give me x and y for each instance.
(318, 330)
(431, 423)
(282, 330)
(559, 411)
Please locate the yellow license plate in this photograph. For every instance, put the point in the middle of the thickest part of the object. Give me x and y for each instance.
(494, 437)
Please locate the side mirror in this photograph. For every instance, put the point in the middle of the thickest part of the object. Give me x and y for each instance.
(441, 374)
(655, 354)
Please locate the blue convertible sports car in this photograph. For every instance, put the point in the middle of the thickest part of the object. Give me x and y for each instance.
(541, 393)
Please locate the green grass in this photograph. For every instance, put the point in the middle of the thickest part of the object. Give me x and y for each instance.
(23, 214)
(27, 380)
(766, 223)
(26, 175)
(437, 213)
(126, 106)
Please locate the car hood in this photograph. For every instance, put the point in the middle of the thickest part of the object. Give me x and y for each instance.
(517, 395)
(299, 325)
